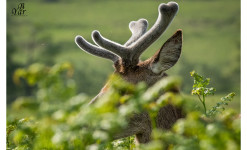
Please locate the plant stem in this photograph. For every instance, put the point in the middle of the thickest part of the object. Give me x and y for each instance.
(200, 98)
(203, 103)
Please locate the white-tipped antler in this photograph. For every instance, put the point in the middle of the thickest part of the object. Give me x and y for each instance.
(139, 40)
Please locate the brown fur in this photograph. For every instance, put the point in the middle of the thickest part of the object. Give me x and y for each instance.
(140, 124)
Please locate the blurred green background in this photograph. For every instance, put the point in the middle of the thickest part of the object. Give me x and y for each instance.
(211, 40)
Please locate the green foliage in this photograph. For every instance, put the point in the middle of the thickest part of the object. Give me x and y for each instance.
(58, 119)
(220, 105)
(50, 82)
(22, 133)
(200, 89)
(123, 144)
(198, 133)
(199, 86)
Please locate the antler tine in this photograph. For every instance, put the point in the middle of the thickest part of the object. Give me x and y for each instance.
(109, 45)
(166, 14)
(138, 28)
(94, 50)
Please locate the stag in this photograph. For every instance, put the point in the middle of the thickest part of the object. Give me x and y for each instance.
(127, 64)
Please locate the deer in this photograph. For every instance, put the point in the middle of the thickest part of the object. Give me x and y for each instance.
(129, 66)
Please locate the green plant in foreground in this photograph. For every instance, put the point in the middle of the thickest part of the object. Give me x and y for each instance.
(20, 134)
(202, 91)
(56, 121)
(220, 105)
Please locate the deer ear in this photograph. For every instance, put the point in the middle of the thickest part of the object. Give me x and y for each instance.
(168, 55)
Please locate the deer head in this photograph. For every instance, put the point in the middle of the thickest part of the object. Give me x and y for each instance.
(127, 63)
(126, 58)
